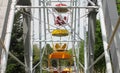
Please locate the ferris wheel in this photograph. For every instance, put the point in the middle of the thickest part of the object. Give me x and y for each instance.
(61, 29)
(64, 25)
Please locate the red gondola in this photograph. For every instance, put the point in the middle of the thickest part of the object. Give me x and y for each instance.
(60, 9)
(60, 20)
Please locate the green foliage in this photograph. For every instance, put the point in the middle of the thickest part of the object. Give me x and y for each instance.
(36, 54)
(67, 62)
(36, 57)
(48, 51)
(118, 6)
(16, 46)
(37, 51)
(100, 66)
(81, 55)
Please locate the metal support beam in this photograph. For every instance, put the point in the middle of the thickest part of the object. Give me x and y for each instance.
(40, 33)
(104, 37)
(85, 52)
(86, 7)
(57, 41)
(4, 55)
(111, 17)
(109, 43)
(31, 47)
(91, 36)
(27, 35)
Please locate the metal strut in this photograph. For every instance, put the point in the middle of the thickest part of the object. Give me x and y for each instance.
(4, 55)
(104, 37)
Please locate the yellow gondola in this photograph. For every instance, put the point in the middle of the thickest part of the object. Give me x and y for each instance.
(60, 47)
(60, 32)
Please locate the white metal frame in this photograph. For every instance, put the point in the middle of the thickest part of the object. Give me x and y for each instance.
(86, 67)
(104, 36)
(4, 54)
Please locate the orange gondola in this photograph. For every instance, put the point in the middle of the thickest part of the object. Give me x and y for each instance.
(59, 55)
(61, 72)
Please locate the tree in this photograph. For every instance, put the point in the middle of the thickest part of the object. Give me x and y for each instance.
(118, 6)
(100, 66)
(36, 56)
(16, 46)
(81, 55)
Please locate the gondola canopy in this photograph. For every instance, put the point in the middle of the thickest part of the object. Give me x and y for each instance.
(60, 9)
(60, 32)
(59, 55)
